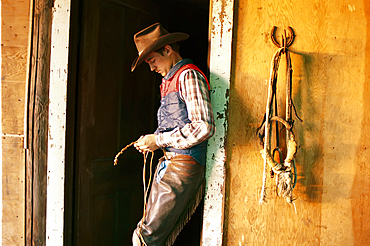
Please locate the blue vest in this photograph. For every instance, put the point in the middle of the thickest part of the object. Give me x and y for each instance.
(173, 113)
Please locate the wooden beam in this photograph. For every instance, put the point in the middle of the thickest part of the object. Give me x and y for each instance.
(38, 100)
(221, 34)
(57, 123)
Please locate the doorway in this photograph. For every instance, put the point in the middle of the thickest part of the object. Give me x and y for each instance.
(109, 107)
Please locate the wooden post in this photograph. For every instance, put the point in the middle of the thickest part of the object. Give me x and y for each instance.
(57, 123)
(37, 128)
(221, 33)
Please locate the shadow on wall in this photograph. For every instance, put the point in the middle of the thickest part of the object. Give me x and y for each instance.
(309, 158)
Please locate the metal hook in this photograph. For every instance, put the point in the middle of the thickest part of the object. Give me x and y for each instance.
(286, 40)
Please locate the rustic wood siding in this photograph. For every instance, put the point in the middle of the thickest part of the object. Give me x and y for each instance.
(14, 42)
(331, 90)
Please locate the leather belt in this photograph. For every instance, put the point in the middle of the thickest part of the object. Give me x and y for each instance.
(169, 155)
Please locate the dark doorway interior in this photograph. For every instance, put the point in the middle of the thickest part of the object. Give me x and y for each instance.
(109, 107)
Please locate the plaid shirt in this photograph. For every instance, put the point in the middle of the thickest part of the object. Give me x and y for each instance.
(194, 91)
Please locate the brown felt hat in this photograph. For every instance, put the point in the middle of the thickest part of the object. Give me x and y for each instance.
(153, 38)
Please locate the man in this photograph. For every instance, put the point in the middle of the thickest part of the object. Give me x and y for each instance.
(185, 122)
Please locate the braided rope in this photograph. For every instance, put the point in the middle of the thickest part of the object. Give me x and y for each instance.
(115, 162)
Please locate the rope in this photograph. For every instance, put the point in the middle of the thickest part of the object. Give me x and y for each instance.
(285, 171)
(267, 144)
(146, 187)
(146, 190)
(120, 153)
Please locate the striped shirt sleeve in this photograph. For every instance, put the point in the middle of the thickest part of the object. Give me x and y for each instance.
(193, 90)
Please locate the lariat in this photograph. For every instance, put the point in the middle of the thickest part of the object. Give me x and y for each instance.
(284, 170)
(146, 186)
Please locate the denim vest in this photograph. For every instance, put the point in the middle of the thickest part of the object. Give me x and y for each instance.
(173, 113)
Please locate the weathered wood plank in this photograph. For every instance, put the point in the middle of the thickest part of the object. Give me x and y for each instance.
(14, 62)
(13, 183)
(361, 184)
(36, 157)
(15, 2)
(222, 13)
(16, 8)
(13, 104)
(15, 25)
(14, 42)
(57, 124)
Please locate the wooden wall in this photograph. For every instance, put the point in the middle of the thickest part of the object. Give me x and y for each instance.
(331, 90)
(14, 42)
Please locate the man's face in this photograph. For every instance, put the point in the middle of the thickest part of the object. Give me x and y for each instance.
(159, 63)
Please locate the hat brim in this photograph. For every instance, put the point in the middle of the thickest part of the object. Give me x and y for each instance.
(158, 43)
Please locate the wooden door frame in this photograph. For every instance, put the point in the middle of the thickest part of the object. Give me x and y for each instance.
(46, 121)
(221, 26)
(44, 112)
(57, 117)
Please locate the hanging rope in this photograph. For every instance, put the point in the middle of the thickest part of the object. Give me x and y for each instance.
(146, 187)
(146, 190)
(285, 171)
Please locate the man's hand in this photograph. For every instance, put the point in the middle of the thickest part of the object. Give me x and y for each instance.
(146, 143)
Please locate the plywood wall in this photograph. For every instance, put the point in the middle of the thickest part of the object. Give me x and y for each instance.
(14, 42)
(331, 91)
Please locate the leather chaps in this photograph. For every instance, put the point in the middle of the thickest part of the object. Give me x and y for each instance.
(172, 201)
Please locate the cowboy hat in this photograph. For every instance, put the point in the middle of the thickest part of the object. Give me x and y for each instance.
(153, 38)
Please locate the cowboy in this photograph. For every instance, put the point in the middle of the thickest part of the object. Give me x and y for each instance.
(185, 123)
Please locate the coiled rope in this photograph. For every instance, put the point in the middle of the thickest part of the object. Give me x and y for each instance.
(285, 171)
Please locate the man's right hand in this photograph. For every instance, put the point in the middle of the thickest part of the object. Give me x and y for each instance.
(146, 144)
